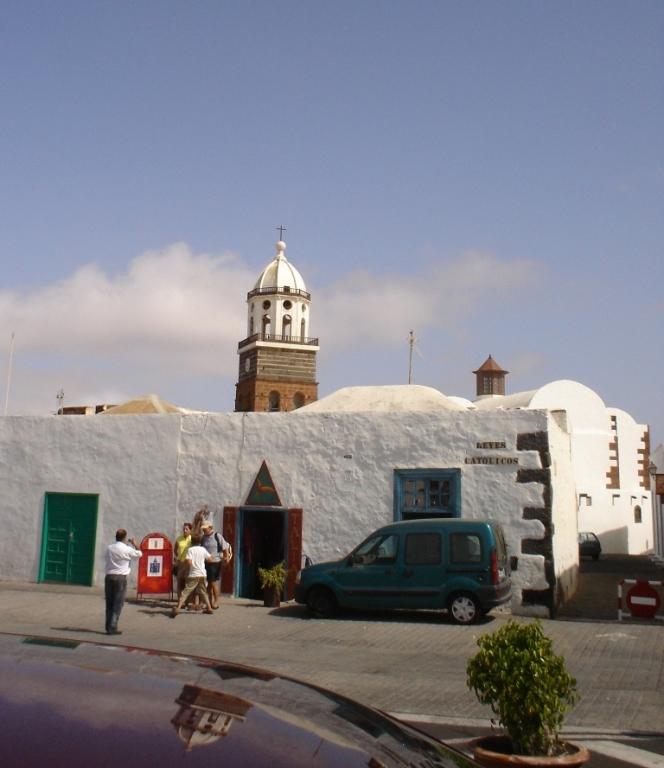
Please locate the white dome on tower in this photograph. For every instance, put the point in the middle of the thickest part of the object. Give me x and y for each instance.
(280, 273)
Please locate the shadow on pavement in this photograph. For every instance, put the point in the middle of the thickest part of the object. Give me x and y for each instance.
(85, 630)
(402, 616)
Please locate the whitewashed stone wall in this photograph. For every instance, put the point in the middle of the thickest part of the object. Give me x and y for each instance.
(153, 472)
(608, 512)
(564, 517)
(129, 461)
(640, 536)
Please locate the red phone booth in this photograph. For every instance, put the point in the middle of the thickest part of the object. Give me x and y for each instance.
(155, 568)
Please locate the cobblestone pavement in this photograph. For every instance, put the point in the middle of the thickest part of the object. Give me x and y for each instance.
(404, 662)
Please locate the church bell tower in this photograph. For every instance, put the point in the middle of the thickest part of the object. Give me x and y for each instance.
(277, 369)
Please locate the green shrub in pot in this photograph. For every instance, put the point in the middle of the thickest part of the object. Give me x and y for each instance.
(273, 577)
(526, 684)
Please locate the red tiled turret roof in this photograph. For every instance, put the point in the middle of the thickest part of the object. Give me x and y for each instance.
(490, 365)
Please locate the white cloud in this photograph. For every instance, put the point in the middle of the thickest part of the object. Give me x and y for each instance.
(379, 310)
(170, 324)
(170, 303)
(172, 315)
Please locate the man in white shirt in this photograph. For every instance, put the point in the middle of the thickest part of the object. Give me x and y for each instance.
(118, 564)
(195, 560)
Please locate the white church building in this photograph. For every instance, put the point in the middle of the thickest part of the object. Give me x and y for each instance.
(288, 476)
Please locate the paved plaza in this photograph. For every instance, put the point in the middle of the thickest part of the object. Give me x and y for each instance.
(409, 663)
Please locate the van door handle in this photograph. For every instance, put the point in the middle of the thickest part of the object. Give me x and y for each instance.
(407, 572)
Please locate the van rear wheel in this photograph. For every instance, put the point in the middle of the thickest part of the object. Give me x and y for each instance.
(464, 609)
(321, 602)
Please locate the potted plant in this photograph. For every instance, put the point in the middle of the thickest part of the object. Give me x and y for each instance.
(527, 686)
(272, 582)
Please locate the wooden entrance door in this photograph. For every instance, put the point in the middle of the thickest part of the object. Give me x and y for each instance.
(68, 539)
(230, 574)
(294, 563)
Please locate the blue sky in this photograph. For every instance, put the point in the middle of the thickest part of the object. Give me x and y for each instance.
(488, 174)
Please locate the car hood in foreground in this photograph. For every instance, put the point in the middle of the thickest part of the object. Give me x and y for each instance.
(88, 704)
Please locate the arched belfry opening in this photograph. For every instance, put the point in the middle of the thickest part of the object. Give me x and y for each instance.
(277, 370)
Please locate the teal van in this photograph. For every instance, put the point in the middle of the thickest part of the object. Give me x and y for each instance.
(454, 564)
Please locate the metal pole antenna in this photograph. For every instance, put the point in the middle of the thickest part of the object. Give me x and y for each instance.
(411, 343)
(9, 373)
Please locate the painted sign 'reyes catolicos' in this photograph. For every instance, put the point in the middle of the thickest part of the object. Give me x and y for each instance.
(492, 460)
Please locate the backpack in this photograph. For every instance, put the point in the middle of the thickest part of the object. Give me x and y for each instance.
(226, 554)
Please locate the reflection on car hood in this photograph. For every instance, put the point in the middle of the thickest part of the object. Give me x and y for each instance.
(88, 704)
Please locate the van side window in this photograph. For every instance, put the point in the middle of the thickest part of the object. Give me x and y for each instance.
(381, 550)
(465, 548)
(423, 549)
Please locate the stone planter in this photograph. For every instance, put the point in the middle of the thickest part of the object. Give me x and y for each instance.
(496, 751)
(271, 597)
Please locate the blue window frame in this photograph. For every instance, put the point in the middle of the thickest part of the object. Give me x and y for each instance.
(426, 493)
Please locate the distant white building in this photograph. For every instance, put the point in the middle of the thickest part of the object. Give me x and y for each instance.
(657, 487)
(610, 459)
(314, 481)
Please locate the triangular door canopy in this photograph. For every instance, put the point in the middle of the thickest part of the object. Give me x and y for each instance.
(263, 493)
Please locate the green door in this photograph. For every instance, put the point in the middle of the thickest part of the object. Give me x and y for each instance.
(68, 543)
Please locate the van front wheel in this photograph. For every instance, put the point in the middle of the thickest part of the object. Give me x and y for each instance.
(464, 609)
(321, 602)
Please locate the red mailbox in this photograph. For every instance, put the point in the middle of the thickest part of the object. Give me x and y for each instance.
(155, 568)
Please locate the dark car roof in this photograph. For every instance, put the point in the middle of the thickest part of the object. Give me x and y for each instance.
(85, 704)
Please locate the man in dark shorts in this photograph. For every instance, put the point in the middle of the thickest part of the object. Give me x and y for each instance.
(215, 544)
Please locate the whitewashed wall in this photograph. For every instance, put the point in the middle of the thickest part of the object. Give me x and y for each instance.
(640, 536)
(607, 512)
(564, 511)
(611, 513)
(153, 472)
(130, 461)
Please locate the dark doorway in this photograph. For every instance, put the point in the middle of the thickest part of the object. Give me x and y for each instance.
(262, 545)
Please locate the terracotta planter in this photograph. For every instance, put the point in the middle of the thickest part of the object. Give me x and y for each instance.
(271, 597)
(496, 750)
